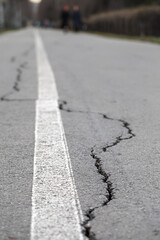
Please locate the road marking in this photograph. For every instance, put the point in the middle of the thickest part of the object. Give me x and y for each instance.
(56, 211)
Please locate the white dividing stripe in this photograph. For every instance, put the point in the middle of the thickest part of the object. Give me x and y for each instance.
(56, 211)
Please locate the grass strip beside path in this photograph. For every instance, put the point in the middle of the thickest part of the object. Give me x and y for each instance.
(137, 38)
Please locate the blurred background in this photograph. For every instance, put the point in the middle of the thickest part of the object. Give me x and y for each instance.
(125, 17)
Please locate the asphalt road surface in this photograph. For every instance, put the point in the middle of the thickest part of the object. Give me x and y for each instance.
(106, 183)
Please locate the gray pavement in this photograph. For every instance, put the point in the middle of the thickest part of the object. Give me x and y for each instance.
(18, 92)
(109, 101)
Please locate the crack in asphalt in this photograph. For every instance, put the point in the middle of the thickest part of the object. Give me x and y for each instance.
(20, 100)
(110, 195)
(13, 59)
(19, 75)
(27, 52)
(16, 87)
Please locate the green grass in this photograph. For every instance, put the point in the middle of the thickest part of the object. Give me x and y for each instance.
(137, 38)
(2, 31)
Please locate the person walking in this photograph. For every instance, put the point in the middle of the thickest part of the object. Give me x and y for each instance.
(65, 16)
(76, 17)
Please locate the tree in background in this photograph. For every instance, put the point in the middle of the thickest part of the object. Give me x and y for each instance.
(1, 15)
(133, 3)
(16, 13)
(50, 9)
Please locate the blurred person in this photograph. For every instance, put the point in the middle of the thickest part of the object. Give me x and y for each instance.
(46, 23)
(65, 16)
(76, 17)
(52, 24)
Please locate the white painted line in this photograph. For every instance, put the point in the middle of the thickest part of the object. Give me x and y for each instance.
(56, 211)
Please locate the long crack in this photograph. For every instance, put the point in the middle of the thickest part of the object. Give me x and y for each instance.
(20, 69)
(105, 176)
(87, 229)
(16, 86)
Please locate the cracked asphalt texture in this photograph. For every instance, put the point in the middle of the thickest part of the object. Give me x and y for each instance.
(18, 92)
(96, 77)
